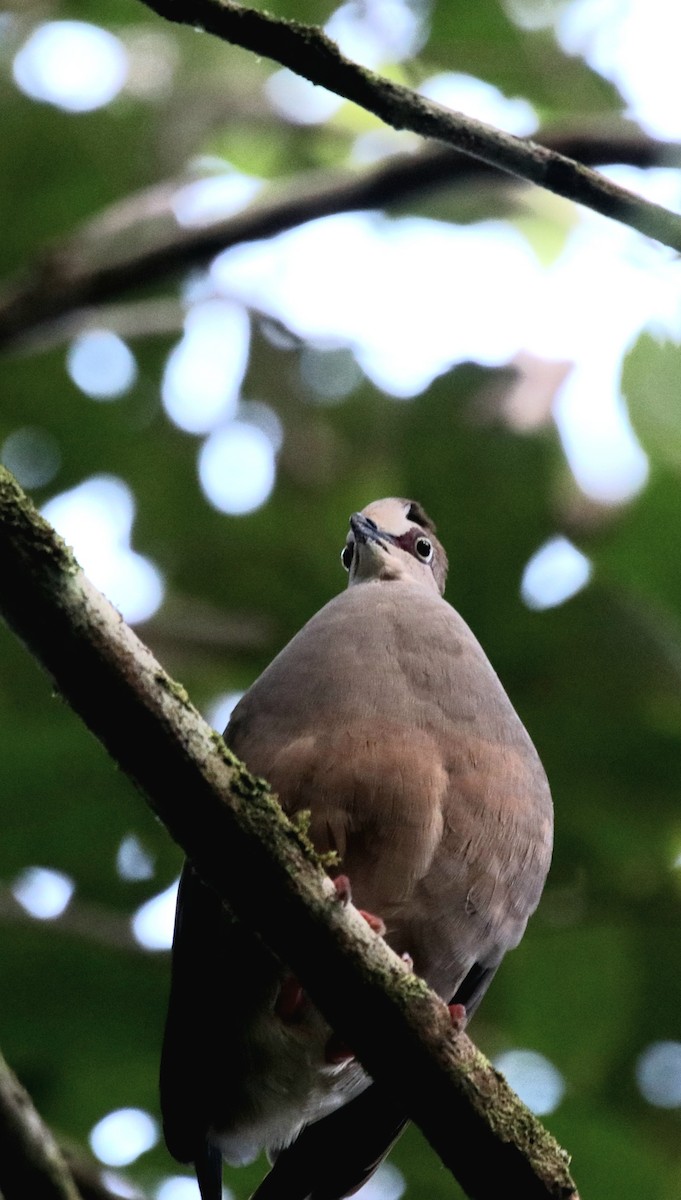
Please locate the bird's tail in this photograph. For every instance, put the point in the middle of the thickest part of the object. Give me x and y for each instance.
(208, 1167)
(333, 1157)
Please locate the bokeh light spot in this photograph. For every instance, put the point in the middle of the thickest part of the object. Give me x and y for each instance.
(42, 892)
(96, 519)
(380, 32)
(101, 364)
(221, 708)
(204, 372)
(178, 1187)
(133, 862)
(72, 65)
(635, 45)
(154, 921)
(330, 373)
(237, 468)
(557, 571)
(539, 1084)
(484, 101)
(298, 100)
(387, 1184)
(658, 1074)
(215, 198)
(400, 345)
(32, 455)
(119, 1186)
(600, 445)
(123, 1135)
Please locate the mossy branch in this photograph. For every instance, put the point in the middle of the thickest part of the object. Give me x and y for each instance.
(244, 847)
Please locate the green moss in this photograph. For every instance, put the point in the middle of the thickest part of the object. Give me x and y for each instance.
(174, 689)
(264, 812)
(22, 523)
(301, 822)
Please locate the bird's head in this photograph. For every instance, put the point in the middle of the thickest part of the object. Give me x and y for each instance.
(394, 539)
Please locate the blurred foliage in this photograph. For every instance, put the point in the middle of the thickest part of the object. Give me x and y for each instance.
(596, 680)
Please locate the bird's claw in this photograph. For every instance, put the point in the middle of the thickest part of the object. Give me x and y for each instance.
(375, 923)
(343, 891)
(344, 895)
(458, 1016)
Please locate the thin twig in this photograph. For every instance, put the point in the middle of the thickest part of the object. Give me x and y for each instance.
(31, 1163)
(263, 866)
(309, 52)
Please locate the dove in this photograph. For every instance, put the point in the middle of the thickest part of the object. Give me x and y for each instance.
(384, 720)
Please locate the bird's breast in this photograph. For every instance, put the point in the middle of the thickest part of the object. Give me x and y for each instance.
(384, 718)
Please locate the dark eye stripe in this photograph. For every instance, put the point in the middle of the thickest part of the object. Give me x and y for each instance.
(419, 516)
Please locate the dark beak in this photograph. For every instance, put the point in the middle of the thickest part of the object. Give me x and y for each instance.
(366, 530)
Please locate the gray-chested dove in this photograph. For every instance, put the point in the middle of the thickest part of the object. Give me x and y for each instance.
(384, 718)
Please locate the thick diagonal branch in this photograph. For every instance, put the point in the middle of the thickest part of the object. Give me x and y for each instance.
(309, 52)
(256, 860)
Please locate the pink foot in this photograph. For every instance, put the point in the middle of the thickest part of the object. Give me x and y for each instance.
(373, 921)
(458, 1016)
(342, 886)
(344, 894)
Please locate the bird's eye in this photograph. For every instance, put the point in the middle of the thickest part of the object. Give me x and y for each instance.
(424, 549)
(346, 555)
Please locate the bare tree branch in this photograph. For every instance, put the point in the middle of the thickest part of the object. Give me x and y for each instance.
(309, 52)
(32, 1166)
(139, 242)
(31, 1163)
(90, 1180)
(263, 866)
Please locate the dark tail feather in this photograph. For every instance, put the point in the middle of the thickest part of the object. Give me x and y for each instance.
(208, 1167)
(333, 1157)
